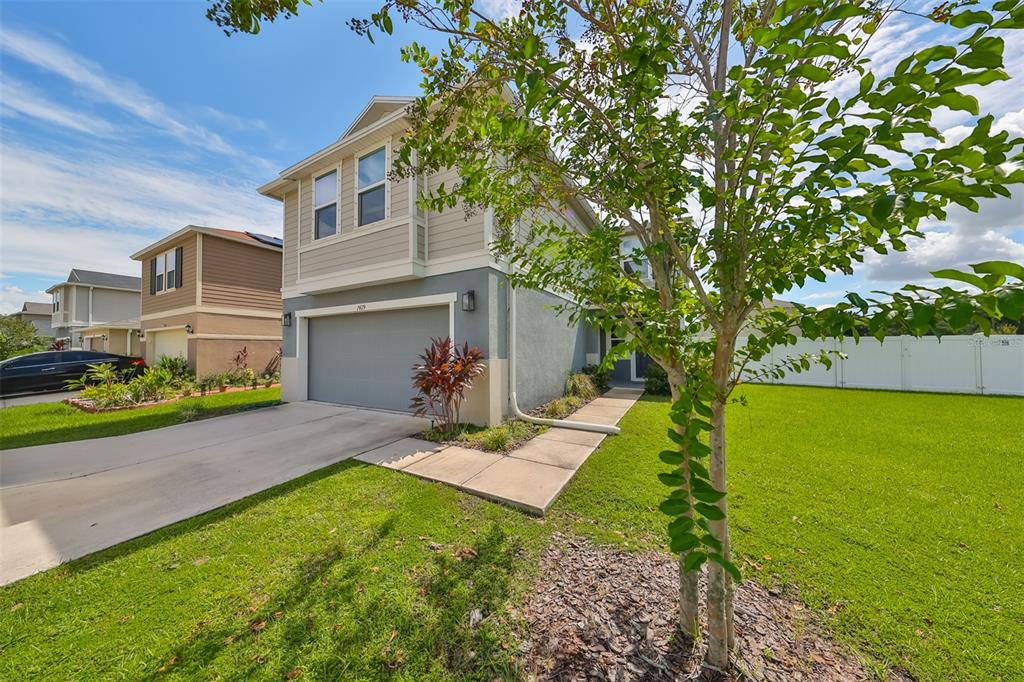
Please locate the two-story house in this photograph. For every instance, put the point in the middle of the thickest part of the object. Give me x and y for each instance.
(88, 298)
(369, 278)
(39, 315)
(208, 293)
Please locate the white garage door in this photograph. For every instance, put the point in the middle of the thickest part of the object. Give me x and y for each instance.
(171, 342)
(366, 359)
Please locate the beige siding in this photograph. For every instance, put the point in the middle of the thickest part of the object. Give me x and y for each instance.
(290, 260)
(175, 298)
(358, 251)
(451, 233)
(216, 323)
(239, 275)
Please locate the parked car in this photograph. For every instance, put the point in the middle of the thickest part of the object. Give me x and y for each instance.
(51, 370)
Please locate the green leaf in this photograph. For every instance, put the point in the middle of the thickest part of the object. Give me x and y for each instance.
(671, 479)
(959, 102)
(693, 561)
(709, 511)
(678, 438)
(698, 469)
(986, 53)
(965, 19)
(531, 45)
(680, 526)
(1011, 304)
(1000, 267)
(729, 567)
(683, 543)
(959, 314)
(962, 277)
(812, 72)
(674, 506)
(673, 457)
(882, 208)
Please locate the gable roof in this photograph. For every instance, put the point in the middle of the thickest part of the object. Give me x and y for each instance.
(105, 280)
(378, 107)
(33, 308)
(251, 238)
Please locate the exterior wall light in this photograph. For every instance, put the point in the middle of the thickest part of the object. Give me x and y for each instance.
(286, 320)
(469, 301)
(188, 329)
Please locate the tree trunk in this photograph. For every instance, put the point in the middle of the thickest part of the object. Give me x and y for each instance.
(721, 638)
(689, 597)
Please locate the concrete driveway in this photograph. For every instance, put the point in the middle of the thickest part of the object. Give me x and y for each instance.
(62, 501)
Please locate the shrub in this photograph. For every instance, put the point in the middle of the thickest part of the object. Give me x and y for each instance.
(442, 378)
(494, 439)
(107, 395)
(152, 385)
(581, 385)
(655, 380)
(562, 407)
(99, 373)
(177, 367)
(599, 375)
(241, 359)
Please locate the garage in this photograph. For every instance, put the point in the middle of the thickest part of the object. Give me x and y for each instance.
(365, 358)
(169, 342)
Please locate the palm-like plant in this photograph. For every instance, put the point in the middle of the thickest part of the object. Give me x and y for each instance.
(103, 373)
(442, 378)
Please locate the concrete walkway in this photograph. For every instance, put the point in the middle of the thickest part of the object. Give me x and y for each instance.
(529, 477)
(62, 501)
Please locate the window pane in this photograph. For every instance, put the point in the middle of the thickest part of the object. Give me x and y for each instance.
(326, 221)
(170, 279)
(371, 206)
(326, 189)
(371, 167)
(159, 281)
(170, 260)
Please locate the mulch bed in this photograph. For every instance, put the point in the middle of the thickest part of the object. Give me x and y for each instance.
(603, 614)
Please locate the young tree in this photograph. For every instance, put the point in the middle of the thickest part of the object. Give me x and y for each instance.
(16, 337)
(748, 146)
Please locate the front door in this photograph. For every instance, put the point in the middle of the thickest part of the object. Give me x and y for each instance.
(640, 363)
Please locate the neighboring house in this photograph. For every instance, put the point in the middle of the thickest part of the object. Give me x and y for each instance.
(39, 314)
(89, 298)
(121, 337)
(369, 278)
(207, 294)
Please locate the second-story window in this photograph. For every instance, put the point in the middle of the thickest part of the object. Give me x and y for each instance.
(371, 186)
(633, 259)
(325, 205)
(166, 270)
(56, 300)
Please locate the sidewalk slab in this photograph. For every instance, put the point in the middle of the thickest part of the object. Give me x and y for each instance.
(531, 486)
(530, 477)
(553, 452)
(453, 465)
(401, 453)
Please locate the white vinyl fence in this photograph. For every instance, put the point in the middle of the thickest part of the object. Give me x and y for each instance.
(955, 364)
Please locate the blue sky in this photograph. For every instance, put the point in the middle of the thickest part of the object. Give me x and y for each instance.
(122, 122)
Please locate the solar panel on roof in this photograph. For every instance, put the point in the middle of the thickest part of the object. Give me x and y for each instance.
(266, 239)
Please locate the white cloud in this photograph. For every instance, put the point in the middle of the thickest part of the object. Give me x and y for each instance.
(18, 99)
(100, 189)
(12, 298)
(501, 9)
(104, 250)
(953, 249)
(118, 92)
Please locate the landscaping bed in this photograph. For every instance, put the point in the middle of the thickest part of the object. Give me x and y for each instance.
(92, 407)
(607, 614)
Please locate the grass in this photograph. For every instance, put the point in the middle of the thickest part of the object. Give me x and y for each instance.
(897, 516)
(894, 515)
(42, 423)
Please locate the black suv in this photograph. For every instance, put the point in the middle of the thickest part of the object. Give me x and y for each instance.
(51, 370)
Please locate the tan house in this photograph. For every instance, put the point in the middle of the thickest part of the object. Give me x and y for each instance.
(207, 293)
(370, 277)
(121, 337)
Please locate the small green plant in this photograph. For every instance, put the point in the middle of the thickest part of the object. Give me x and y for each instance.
(178, 368)
(581, 385)
(495, 439)
(102, 373)
(189, 410)
(153, 385)
(655, 380)
(559, 408)
(599, 375)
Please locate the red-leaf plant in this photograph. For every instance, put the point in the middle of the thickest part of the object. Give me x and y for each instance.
(442, 378)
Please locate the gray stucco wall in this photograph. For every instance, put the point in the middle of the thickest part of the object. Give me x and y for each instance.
(547, 348)
(109, 305)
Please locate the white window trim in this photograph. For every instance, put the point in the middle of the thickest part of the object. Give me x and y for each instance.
(626, 256)
(337, 202)
(162, 258)
(359, 190)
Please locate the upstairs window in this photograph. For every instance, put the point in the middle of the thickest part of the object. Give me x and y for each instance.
(633, 259)
(371, 186)
(325, 205)
(165, 268)
(56, 300)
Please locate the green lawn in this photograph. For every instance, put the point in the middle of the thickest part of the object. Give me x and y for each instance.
(43, 423)
(898, 512)
(898, 516)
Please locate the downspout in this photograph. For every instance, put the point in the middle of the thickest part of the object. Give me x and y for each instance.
(561, 423)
